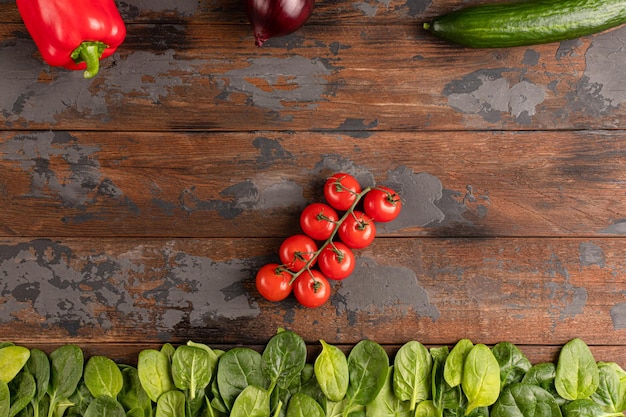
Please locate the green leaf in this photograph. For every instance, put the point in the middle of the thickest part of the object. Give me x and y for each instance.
(481, 378)
(513, 363)
(103, 377)
(22, 390)
(302, 405)
(521, 400)
(283, 359)
(251, 402)
(585, 407)
(5, 399)
(426, 409)
(105, 406)
(608, 394)
(38, 366)
(154, 370)
(386, 403)
(12, 360)
(368, 365)
(238, 368)
(453, 369)
(171, 404)
(191, 369)
(66, 370)
(331, 371)
(412, 377)
(577, 374)
(133, 396)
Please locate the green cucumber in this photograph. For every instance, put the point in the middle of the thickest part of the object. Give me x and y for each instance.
(529, 22)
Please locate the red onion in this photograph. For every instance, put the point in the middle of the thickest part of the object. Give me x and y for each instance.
(272, 18)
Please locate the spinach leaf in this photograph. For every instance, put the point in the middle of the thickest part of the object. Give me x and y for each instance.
(171, 404)
(105, 406)
(608, 395)
(513, 363)
(80, 399)
(38, 365)
(577, 374)
(331, 372)
(426, 409)
(543, 375)
(133, 396)
(453, 369)
(368, 365)
(12, 360)
(238, 368)
(192, 369)
(66, 371)
(301, 405)
(481, 377)
(252, 402)
(621, 375)
(585, 407)
(22, 390)
(521, 400)
(5, 399)
(283, 359)
(154, 371)
(412, 378)
(103, 377)
(439, 384)
(386, 403)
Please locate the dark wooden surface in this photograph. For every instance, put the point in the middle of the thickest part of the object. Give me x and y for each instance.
(135, 208)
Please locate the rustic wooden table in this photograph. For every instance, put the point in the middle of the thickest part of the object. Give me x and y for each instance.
(137, 206)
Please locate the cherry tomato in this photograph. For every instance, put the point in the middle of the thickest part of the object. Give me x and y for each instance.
(318, 220)
(341, 190)
(382, 204)
(357, 230)
(336, 261)
(273, 282)
(296, 251)
(311, 288)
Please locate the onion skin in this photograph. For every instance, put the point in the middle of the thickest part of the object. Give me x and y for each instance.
(272, 18)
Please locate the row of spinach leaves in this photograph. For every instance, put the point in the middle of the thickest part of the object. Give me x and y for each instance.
(194, 380)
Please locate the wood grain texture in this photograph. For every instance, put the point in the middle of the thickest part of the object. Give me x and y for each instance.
(197, 185)
(136, 207)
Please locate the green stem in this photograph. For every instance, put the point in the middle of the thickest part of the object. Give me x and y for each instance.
(89, 53)
(329, 241)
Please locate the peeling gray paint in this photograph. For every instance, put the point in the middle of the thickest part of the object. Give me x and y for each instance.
(566, 300)
(42, 277)
(60, 168)
(271, 151)
(398, 288)
(601, 88)
(304, 78)
(144, 74)
(618, 316)
(197, 288)
(245, 196)
(489, 94)
(617, 228)
(591, 254)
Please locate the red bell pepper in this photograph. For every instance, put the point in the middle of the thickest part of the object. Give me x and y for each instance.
(74, 34)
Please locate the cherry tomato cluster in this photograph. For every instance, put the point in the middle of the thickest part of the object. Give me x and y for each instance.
(330, 232)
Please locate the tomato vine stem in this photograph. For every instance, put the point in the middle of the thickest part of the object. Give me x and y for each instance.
(329, 241)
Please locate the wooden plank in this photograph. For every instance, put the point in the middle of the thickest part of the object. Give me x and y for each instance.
(526, 291)
(211, 77)
(325, 11)
(255, 184)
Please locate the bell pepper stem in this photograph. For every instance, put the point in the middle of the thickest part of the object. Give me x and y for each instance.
(90, 53)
